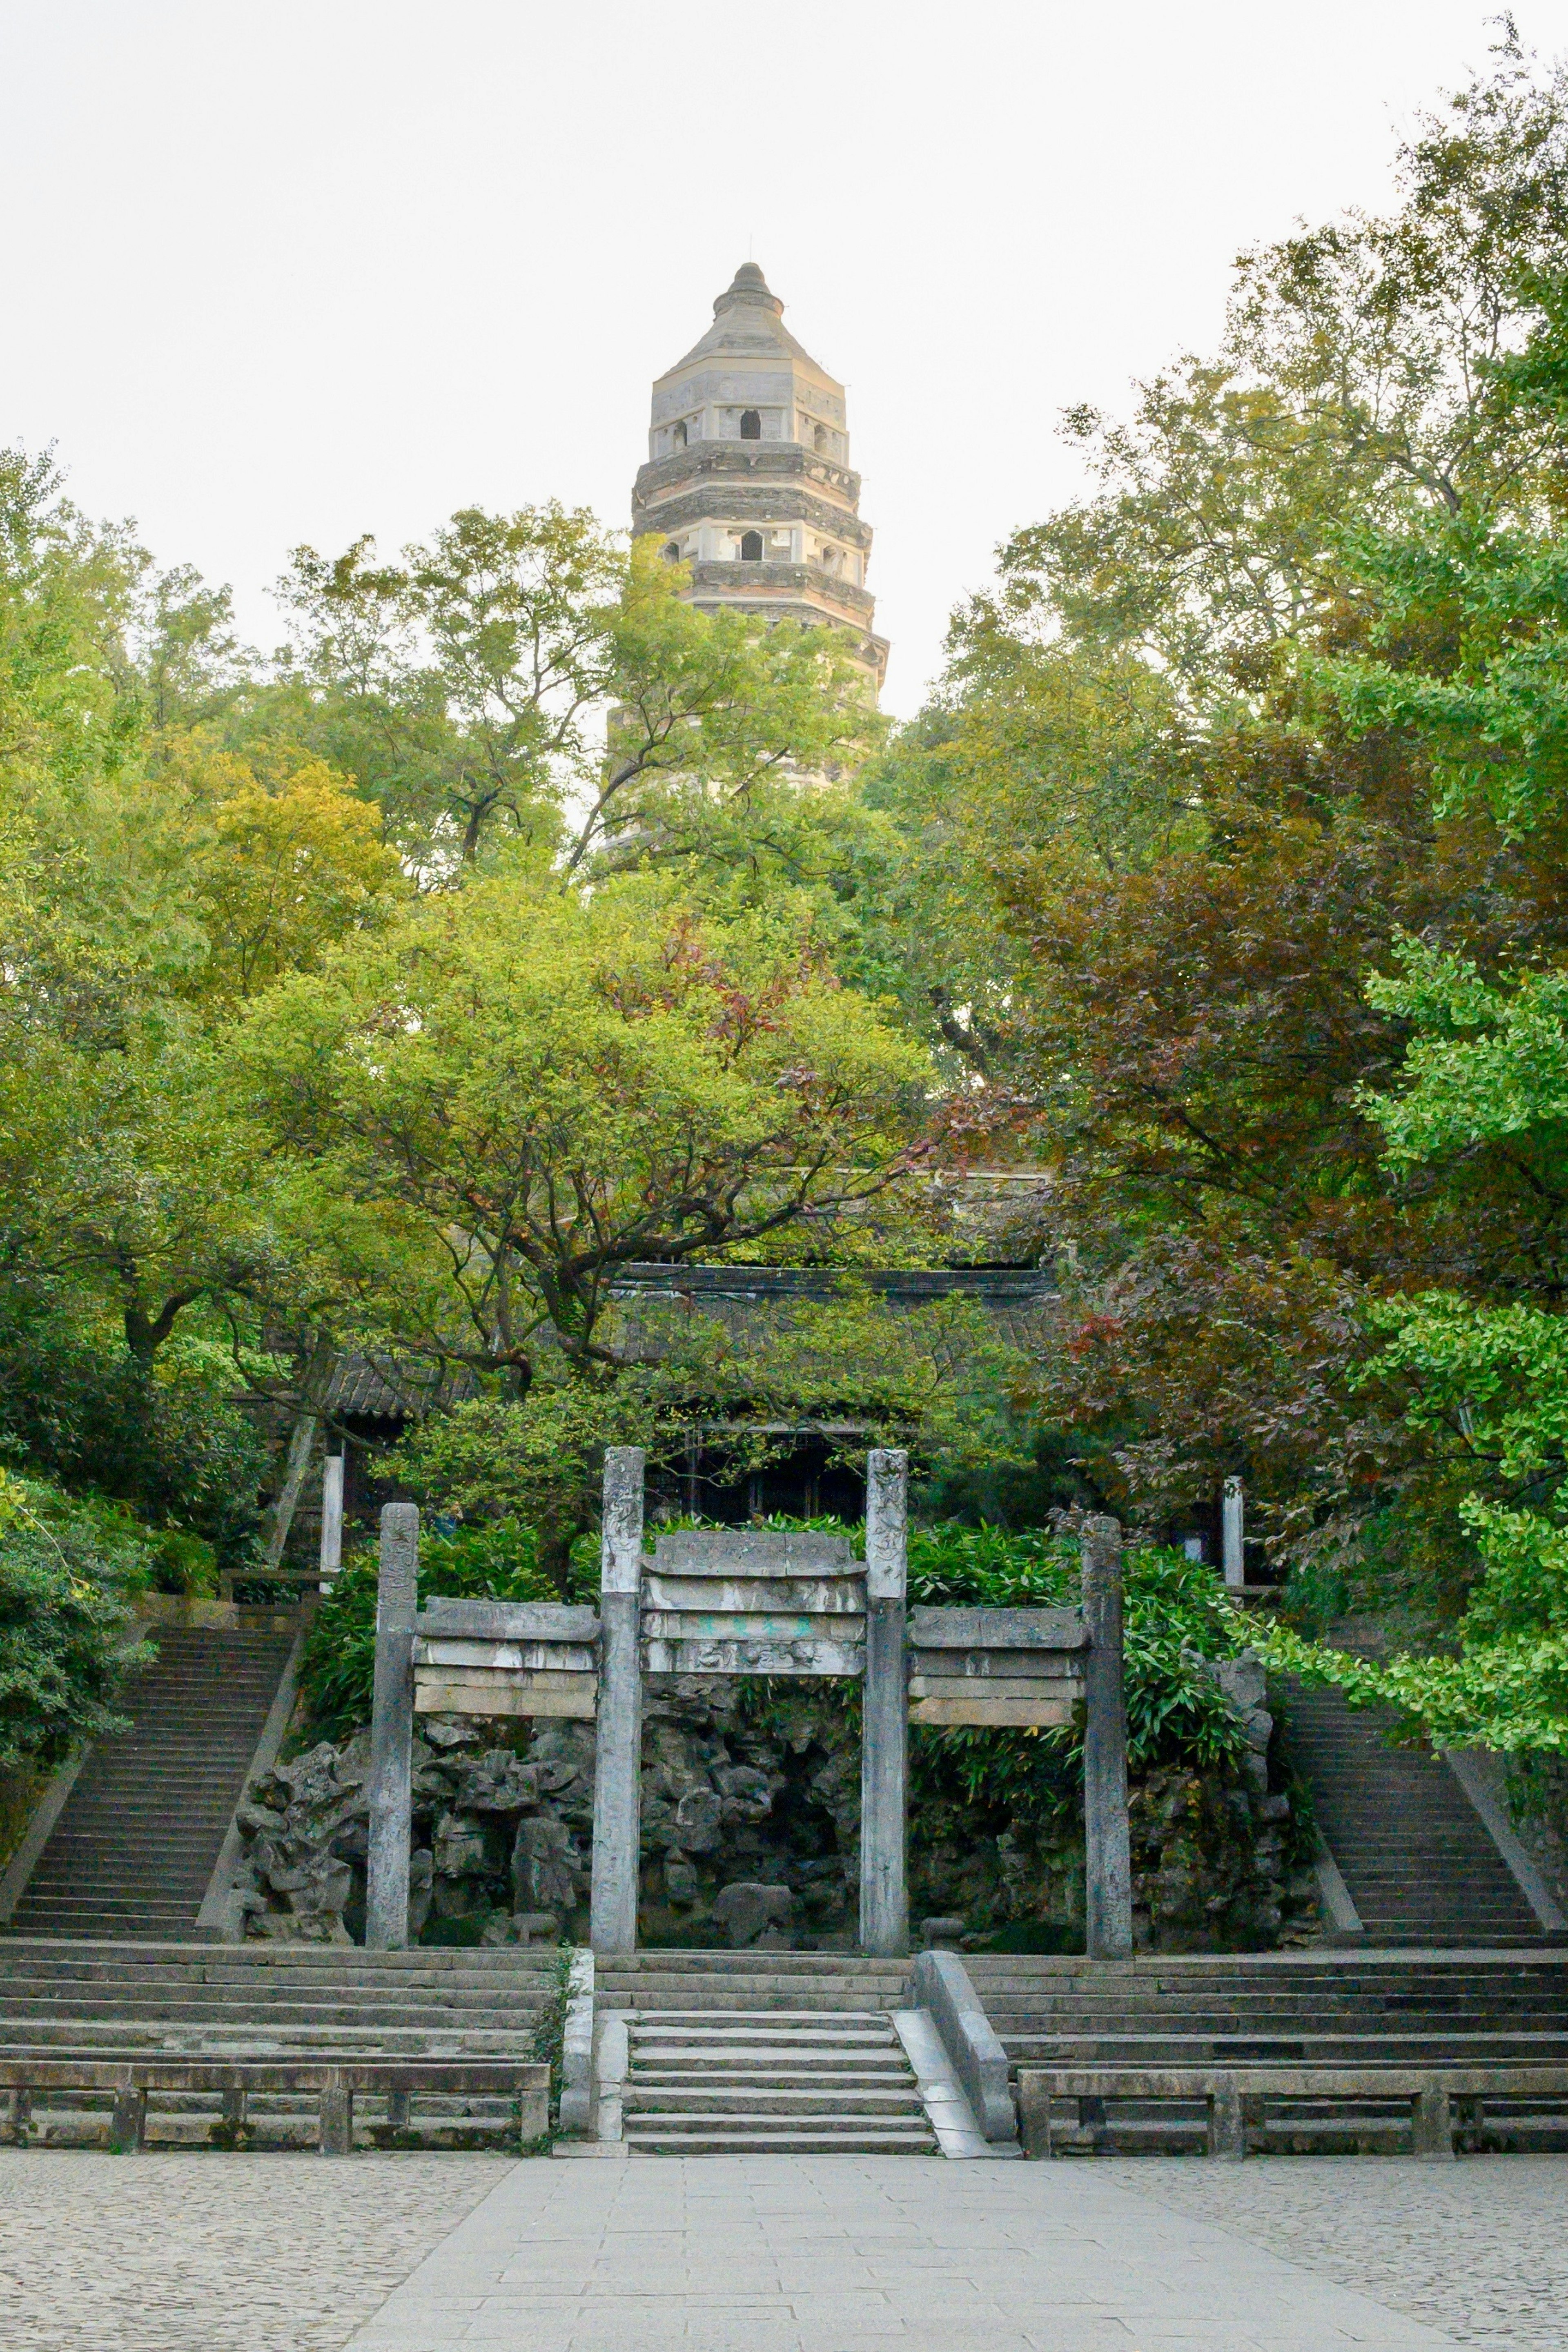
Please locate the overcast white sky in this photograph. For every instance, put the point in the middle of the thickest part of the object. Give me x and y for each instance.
(322, 267)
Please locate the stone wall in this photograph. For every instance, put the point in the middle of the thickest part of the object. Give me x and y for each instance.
(21, 1791)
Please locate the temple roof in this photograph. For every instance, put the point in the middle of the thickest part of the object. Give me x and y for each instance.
(748, 324)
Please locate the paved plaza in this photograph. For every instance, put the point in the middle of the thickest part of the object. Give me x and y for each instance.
(173, 2253)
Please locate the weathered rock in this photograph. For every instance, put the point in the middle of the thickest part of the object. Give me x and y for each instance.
(733, 1804)
(700, 1821)
(532, 1926)
(460, 1898)
(748, 1910)
(448, 1732)
(681, 1883)
(748, 1793)
(459, 1848)
(312, 1779)
(497, 1782)
(421, 1889)
(544, 1867)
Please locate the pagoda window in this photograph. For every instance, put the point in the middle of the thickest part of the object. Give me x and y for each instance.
(752, 547)
(819, 436)
(672, 550)
(678, 436)
(751, 425)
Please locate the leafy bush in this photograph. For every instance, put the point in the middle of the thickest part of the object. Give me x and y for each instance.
(68, 1574)
(337, 1670)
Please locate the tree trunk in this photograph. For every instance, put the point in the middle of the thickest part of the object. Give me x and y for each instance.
(301, 1439)
(296, 1462)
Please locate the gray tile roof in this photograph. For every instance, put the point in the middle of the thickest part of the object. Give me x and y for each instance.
(1020, 1300)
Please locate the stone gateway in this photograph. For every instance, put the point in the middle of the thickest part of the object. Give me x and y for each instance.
(747, 1602)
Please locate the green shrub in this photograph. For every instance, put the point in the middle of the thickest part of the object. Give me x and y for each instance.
(1176, 1616)
(67, 1575)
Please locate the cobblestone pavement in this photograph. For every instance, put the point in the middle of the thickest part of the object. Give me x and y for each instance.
(213, 2253)
(1479, 2249)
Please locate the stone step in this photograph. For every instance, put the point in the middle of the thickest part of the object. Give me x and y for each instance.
(267, 2001)
(480, 1963)
(724, 2135)
(1347, 2025)
(718, 2025)
(753, 1991)
(116, 2037)
(656, 1959)
(1413, 1852)
(771, 2076)
(768, 2100)
(681, 1993)
(1324, 2050)
(762, 2061)
(177, 2016)
(847, 2078)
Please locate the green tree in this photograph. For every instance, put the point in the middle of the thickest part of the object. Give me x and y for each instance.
(538, 1087)
(1157, 844)
(519, 677)
(1485, 1384)
(66, 1577)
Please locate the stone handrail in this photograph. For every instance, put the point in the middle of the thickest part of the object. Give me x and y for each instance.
(942, 1986)
(336, 2082)
(1428, 2090)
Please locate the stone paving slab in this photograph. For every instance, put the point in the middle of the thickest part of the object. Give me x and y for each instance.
(830, 2253)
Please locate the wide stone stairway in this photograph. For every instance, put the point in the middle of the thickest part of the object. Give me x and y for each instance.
(132, 1851)
(776, 2052)
(286, 1997)
(1361, 2009)
(285, 2003)
(1410, 1846)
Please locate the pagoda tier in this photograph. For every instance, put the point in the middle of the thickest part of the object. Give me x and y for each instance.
(748, 480)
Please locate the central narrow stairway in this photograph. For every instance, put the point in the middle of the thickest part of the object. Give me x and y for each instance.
(132, 1851)
(725, 2082)
(770, 2053)
(1410, 1846)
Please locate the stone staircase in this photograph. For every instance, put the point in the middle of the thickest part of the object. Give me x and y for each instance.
(311, 1998)
(281, 2002)
(1345, 2008)
(132, 1851)
(1413, 1852)
(733, 2082)
(765, 2052)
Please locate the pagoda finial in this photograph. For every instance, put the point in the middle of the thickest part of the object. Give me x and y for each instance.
(748, 285)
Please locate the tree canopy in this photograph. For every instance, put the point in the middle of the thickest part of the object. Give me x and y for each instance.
(519, 921)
